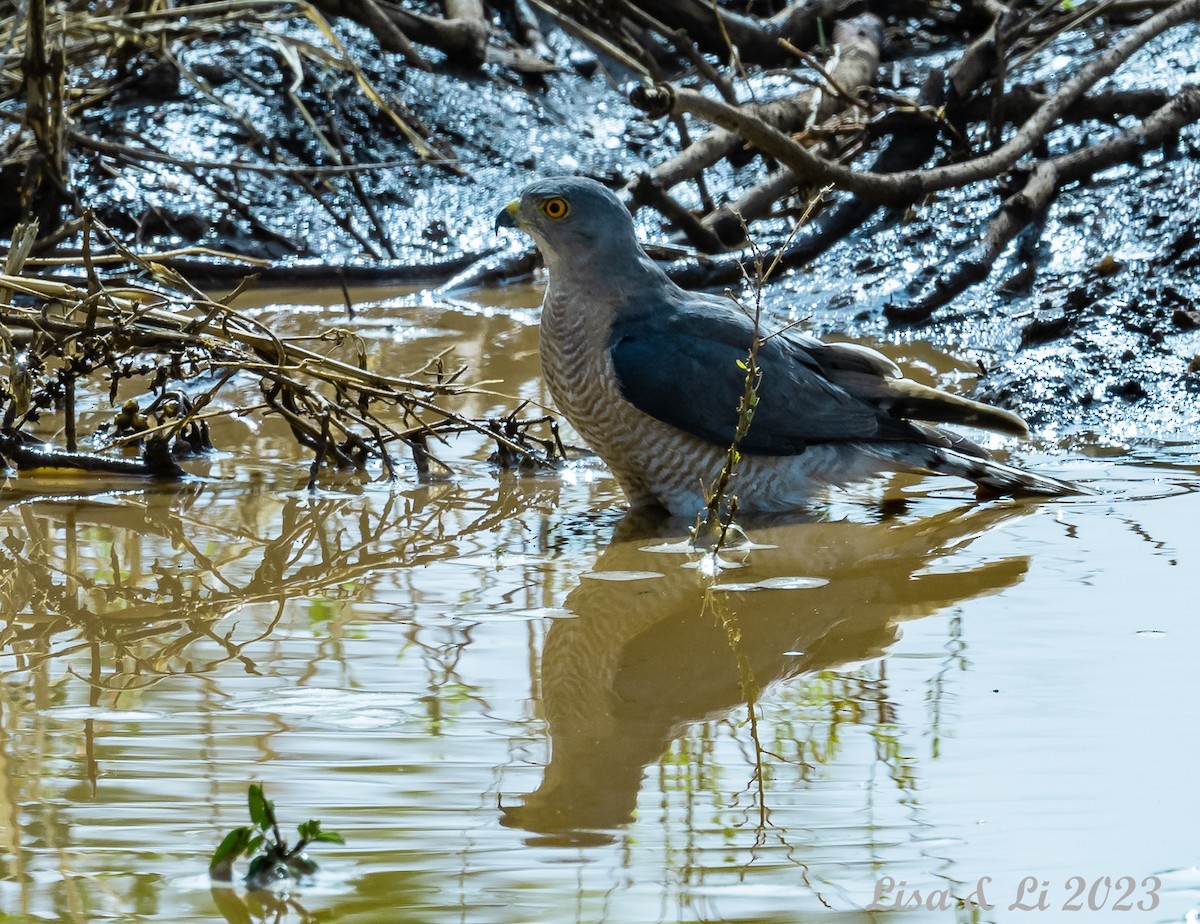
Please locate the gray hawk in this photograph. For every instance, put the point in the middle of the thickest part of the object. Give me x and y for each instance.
(651, 376)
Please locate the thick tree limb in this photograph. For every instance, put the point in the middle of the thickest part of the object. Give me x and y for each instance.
(1022, 101)
(462, 34)
(756, 40)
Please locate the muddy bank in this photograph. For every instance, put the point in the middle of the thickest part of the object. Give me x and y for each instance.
(242, 101)
(1085, 324)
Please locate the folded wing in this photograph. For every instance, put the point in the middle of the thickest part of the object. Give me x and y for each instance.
(681, 366)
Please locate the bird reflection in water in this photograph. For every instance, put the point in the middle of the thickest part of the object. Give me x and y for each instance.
(647, 656)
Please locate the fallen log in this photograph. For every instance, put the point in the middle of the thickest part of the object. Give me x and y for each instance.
(31, 456)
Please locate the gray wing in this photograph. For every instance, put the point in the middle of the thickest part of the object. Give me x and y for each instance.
(680, 365)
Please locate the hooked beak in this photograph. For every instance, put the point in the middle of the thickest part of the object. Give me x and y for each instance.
(507, 218)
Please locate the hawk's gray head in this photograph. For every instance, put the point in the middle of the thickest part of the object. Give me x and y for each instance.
(573, 220)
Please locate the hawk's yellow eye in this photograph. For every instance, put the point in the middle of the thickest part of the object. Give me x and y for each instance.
(556, 208)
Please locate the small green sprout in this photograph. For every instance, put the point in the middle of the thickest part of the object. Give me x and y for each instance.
(272, 860)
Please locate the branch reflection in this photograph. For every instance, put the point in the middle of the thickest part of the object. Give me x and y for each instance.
(134, 583)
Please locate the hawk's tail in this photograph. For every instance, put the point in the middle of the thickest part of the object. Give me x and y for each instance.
(996, 477)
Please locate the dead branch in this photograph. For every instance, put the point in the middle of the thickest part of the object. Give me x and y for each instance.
(384, 27)
(908, 146)
(857, 63)
(43, 66)
(684, 44)
(28, 454)
(646, 191)
(728, 223)
(857, 60)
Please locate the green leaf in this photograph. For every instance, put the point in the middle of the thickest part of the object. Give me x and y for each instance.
(254, 844)
(232, 846)
(261, 811)
(309, 830)
(330, 837)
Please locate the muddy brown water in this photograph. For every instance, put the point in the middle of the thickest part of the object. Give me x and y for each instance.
(518, 704)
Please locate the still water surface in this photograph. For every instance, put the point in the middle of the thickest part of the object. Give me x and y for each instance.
(518, 704)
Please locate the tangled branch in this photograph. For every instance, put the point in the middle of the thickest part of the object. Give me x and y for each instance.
(177, 349)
